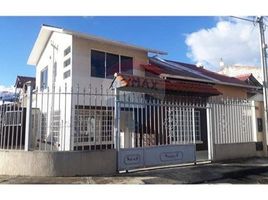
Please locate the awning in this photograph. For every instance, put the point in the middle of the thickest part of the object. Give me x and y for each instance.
(141, 84)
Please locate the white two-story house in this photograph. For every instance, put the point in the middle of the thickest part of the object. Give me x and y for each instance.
(69, 62)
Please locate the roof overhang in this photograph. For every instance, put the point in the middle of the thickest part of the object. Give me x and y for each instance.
(146, 84)
(204, 79)
(46, 31)
(207, 81)
(40, 43)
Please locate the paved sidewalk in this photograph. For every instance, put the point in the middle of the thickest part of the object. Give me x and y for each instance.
(247, 171)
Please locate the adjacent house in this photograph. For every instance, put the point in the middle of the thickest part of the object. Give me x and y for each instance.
(21, 88)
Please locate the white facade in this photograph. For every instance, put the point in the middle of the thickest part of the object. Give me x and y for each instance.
(73, 77)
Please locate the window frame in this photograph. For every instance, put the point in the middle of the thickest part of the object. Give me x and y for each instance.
(42, 86)
(65, 61)
(95, 76)
(121, 64)
(68, 50)
(68, 72)
(105, 62)
(109, 76)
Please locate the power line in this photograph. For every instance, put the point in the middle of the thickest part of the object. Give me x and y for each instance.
(253, 21)
(245, 19)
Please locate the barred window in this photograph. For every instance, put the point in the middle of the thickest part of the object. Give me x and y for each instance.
(93, 126)
(179, 124)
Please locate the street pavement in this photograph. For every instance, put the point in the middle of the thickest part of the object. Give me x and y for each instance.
(245, 171)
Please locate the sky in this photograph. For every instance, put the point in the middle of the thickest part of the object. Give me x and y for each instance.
(187, 39)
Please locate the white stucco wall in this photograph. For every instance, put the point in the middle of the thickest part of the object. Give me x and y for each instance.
(45, 99)
(62, 41)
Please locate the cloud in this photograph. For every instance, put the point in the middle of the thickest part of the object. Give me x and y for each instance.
(235, 41)
(9, 89)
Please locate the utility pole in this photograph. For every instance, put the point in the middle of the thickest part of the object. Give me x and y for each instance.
(263, 47)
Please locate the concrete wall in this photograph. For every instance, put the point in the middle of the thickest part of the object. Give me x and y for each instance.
(234, 151)
(57, 163)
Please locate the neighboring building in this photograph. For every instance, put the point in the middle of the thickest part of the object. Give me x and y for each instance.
(257, 97)
(21, 88)
(228, 86)
(237, 70)
(251, 80)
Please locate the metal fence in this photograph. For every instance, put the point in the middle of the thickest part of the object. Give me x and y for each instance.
(233, 120)
(78, 119)
(12, 125)
(153, 120)
(74, 119)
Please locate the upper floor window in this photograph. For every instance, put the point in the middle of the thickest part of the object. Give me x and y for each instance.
(67, 51)
(105, 65)
(67, 62)
(126, 65)
(66, 74)
(98, 64)
(43, 78)
(112, 65)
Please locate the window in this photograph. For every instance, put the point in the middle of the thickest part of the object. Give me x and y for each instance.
(67, 74)
(67, 62)
(179, 125)
(93, 126)
(259, 124)
(43, 79)
(105, 65)
(112, 65)
(126, 65)
(67, 51)
(97, 64)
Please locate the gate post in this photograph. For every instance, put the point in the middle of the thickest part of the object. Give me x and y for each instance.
(117, 125)
(194, 139)
(28, 123)
(253, 118)
(209, 132)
